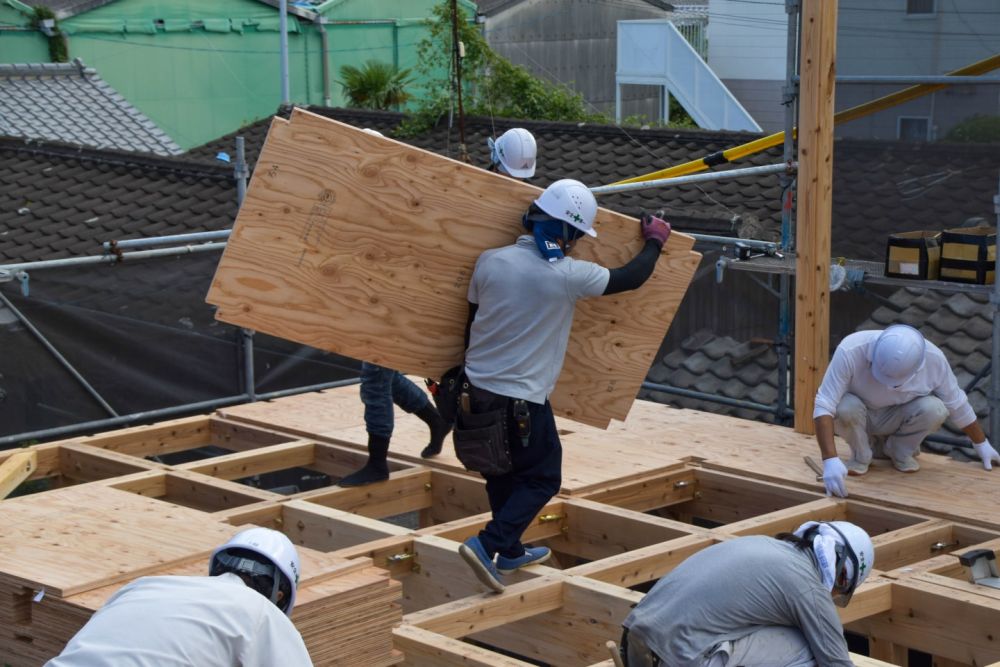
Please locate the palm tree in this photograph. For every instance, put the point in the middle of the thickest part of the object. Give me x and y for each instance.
(375, 85)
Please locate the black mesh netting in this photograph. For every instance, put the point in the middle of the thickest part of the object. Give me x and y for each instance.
(142, 336)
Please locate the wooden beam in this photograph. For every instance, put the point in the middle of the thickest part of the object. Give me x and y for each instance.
(476, 614)
(815, 201)
(86, 463)
(163, 438)
(15, 470)
(643, 565)
(259, 461)
(423, 647)
(944, 617)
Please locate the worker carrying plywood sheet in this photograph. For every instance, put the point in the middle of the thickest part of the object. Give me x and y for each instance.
(522, 299)
(364, 246)
(754, 600)
(237, 616)
(884, 392)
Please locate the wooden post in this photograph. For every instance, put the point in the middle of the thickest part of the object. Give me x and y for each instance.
(815, 194)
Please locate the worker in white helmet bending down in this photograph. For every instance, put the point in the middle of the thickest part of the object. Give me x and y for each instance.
(235, 617)
(753, 602)
(883, 393)
(521, 303)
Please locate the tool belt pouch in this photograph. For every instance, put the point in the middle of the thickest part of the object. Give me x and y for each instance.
(481, 441)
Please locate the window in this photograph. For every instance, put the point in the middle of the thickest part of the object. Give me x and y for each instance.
(919, 7)
(913, 128)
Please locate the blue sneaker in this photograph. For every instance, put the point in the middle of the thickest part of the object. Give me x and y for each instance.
(473, 553)
(532, 556)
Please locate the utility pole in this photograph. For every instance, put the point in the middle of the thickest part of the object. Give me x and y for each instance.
(457, 53)
(283, 29)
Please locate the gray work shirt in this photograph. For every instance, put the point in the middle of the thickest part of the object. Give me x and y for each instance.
(729, 590)
(526, 303)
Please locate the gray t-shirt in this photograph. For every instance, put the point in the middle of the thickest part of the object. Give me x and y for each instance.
(518, 339)
(729, 590)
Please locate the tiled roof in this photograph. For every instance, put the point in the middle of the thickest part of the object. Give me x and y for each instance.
(70, 103)
(879, 186)
(720, 366)
(59, 201)
(489, 7)
(594, 154)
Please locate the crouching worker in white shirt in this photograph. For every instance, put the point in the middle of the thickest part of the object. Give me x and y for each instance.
(235, 617)
(883, 393)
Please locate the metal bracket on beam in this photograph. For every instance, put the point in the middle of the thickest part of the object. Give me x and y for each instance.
(981, 567)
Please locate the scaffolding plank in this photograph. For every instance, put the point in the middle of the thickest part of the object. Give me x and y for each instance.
(364, 246)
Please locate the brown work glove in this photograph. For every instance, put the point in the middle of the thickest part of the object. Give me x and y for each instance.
(655, 228)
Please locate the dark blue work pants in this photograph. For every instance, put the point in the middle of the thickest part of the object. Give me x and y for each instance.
(518, 496)
(380, 388)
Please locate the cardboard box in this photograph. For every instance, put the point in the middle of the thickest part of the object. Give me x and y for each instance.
(968, 255)
(914, 255)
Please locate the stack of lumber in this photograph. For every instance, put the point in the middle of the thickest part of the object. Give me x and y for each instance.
(65, 552)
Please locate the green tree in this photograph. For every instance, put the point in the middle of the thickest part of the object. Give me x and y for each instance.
(375, 85)
(977, 129)
(491, 84)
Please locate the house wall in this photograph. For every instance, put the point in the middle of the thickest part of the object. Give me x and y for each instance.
(199, 83)
(574, 42)
(880, 38)
(747, 45)
(746, 49)
(19, 43)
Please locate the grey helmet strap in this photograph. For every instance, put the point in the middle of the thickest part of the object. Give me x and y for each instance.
(250, 567)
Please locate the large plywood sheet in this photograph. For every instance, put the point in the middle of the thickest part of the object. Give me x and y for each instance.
(364, 246)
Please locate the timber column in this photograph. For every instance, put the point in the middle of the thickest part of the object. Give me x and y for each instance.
(817, 69)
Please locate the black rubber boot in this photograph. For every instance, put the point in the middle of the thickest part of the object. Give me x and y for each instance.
(377, 467)
(439, 429)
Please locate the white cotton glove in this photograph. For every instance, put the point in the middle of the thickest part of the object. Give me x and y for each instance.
(987, 454)
(835, 477)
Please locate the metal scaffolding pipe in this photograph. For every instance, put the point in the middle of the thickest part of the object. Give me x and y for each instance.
(283, 48)
(63, 361)
(769, 246)
(193, 237)
(696, 178)
(107, 259)
(790, 95)
(994, 397)
(713, 398)
(240, 172)
(100, 424)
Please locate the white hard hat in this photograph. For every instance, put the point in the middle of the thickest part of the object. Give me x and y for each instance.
(855, 564)
(272, 546)
(368, 130)
(897, 355)
(515, 152)
(572, 202)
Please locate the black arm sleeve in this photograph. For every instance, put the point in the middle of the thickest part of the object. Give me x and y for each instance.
(473, 307)
(635, 273)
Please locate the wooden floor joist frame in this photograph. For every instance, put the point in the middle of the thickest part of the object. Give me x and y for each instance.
(611, 542)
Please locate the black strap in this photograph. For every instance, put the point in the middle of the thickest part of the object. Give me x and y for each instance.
(654, 659)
